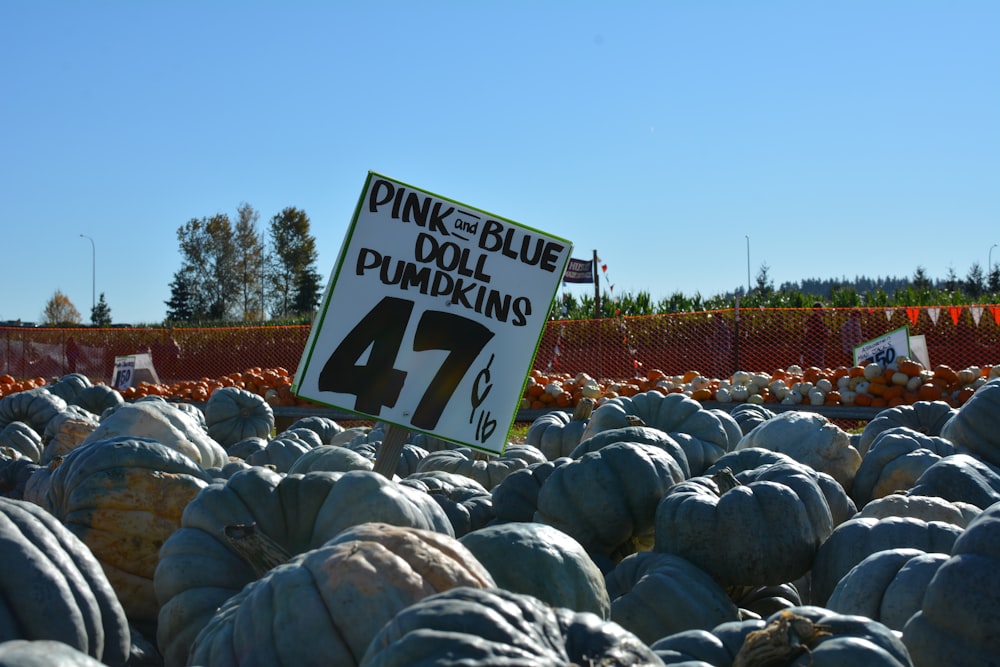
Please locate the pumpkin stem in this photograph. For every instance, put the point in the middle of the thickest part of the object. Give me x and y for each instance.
(725, 480)
(785, 638)
(257, 549)
(583, 409)
(634, 420)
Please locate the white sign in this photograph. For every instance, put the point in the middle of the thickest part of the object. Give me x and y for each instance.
(884, 349)
(132, 369)
(918, 350)
(432, 317)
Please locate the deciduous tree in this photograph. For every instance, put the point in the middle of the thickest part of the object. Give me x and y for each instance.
(60, 312)
(294, 257)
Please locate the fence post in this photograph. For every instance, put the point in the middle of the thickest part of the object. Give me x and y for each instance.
(597, 286)
(736, 335)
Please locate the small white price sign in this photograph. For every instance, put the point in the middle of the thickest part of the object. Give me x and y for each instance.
(433, 315)
(884, 349)
(124, 372)
(132, 369)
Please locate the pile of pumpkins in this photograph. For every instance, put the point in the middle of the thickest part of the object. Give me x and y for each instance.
(648, 529)
(874, 384)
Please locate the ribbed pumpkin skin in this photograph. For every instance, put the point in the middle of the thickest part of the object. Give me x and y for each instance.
(672, 413)
(927, 508)
(607, 499)
(69, 385)
(748, 458)
(750, 415)
(44, 653)
(927, 417)
(886, 586)
(733, 431)
(855, 540)
(896, 458)
(332, 600)
(409, 458)
(123, 497)
(171, 426)
(332, 458)
(960, 611)
(975, 427)
(281, 451)
(232, 414)
(52, 587)
(98, 398)
(23, 439)
(715, 647)
(539, 560)
(34, 407)
(14, 475)
(467, 503)
(199, 569)
(654, 595)
(764, 531)
(325, 427)
(810, 438)
(66, 431)
(642, 434)
(489, 472)
(470, 626)
(516, 497)
(960, 478)
(556, 433)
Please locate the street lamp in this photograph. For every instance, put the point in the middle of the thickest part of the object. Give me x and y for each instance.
(93, 274)
(748, 263)
(989, 260)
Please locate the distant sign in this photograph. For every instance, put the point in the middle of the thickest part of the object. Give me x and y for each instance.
(132, 369)
(579, 271)
(884, 349)
(433, 315)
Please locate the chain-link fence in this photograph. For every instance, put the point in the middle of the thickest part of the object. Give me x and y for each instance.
(716, 343)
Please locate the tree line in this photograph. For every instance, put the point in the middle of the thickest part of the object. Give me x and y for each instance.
(919, 290)
(234, 272)
(231, 271)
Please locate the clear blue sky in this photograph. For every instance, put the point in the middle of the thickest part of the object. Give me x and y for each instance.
(843, 138)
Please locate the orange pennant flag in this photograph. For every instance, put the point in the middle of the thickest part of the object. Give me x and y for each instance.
(955, 312)
(913, 313)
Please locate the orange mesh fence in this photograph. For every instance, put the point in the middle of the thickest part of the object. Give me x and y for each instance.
(716, 343)
(178, 354)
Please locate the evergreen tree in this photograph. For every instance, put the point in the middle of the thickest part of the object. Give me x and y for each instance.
(951, 281)
(764, 283)
(975, 281)
(307, 291)
(100, 314)
(181, 307)
(920, 280)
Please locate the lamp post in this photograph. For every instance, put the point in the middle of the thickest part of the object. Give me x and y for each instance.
(989, 260)
(93, 274)
(748, 263)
